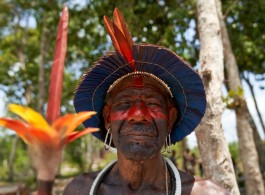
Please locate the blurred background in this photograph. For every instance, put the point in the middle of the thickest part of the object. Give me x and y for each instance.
(27, 41)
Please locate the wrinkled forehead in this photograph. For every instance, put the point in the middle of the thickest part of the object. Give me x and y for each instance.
(138, 82)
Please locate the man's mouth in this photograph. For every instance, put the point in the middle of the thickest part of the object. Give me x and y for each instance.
(139, 131)
(139, 137)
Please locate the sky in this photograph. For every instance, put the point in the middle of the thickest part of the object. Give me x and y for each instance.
(2, 104)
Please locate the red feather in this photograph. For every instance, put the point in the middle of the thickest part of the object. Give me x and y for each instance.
(120, 36)
(121, 24)
(109, 27)
(56, 78)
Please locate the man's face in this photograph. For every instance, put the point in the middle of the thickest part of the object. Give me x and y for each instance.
(139, 117)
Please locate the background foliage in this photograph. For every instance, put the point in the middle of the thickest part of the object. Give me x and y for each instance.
(27, 36)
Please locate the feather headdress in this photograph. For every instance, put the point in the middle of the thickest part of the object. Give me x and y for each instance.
(179, 79)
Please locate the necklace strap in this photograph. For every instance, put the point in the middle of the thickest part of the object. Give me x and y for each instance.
(102, 173)
(166, 176)
(176, 176)
(99, 177)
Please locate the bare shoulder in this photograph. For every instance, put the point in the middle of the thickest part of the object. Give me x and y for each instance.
(197, 186)
(81, 184)
(207, 186)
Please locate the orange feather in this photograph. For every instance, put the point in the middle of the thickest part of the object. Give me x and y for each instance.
(109, 27)
(121, 24)
(120, 36)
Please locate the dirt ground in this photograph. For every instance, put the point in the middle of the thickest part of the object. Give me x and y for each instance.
(19, 189)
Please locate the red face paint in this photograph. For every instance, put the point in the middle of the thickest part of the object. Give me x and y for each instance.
(138, 117)
(137, 108)
(138, 99)
(138, 82)
(139, 113)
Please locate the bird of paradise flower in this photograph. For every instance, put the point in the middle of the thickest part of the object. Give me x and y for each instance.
(35, 130)
(46, 138)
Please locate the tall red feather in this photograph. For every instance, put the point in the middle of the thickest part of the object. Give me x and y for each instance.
(56, 78)
(122, 26)
(120, 36)
(110, 29)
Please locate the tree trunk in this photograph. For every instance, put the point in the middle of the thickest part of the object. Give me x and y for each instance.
(184, 147)
(214, 150)
(246, 78)
(247, 151)
(260, 145)
(88, 153)
(11, 159)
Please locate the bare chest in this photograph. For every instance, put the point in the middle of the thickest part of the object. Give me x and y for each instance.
(121, 190)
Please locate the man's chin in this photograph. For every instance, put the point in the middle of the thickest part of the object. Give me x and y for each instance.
(138, 150)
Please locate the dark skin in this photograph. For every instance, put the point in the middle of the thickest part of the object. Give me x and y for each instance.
(140, 118)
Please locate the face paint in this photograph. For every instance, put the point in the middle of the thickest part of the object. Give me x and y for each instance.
(138, 118)
(139, 111)
(138, 82)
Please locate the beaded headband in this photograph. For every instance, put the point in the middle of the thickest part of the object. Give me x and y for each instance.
(145, 74)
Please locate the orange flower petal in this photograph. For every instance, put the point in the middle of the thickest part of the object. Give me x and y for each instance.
(39, 136)
(80, 117)
(66, 124)
(33, 118)
(61, 124)
(19, 127)
(38, 132)
(76, 134)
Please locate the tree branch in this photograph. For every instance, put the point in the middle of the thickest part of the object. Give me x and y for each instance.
(229, 9)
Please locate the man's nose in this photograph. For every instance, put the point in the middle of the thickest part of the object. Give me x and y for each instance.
(139, 113)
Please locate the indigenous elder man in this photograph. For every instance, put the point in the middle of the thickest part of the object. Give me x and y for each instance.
(146, 98)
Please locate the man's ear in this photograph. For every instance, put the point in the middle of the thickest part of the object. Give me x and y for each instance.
(172, 117)
(106, 116)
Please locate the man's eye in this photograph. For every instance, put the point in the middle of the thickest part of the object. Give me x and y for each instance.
(124, 103)
(153, 104)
